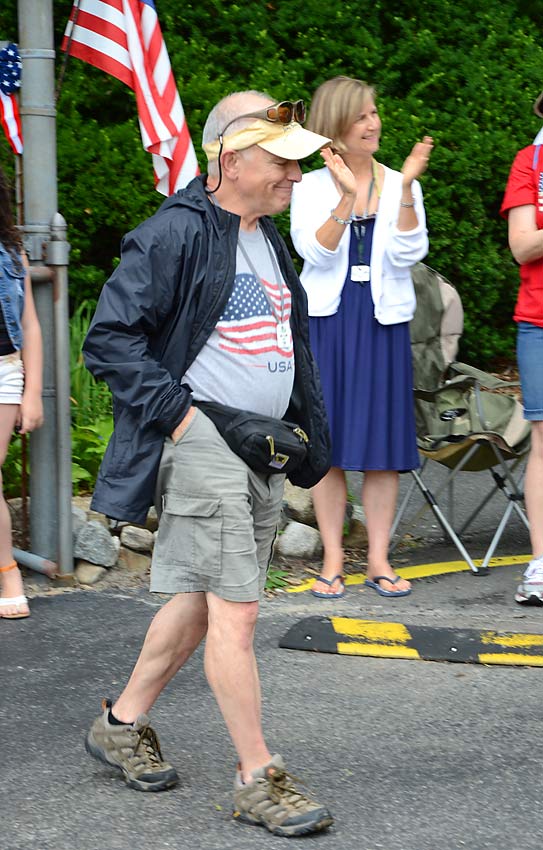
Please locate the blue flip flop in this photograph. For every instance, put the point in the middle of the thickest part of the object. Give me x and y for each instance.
(330, 582)
(376, 586)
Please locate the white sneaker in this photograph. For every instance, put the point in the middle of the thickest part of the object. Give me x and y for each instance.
(530, 591)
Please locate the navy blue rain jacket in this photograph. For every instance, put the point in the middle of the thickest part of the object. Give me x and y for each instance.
(153, 317)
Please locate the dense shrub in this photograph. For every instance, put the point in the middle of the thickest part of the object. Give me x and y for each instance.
(466, 73)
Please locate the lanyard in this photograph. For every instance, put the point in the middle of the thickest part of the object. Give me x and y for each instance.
(359, 229)
(279, 317)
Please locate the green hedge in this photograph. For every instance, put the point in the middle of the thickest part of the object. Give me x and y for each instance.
(464, 72)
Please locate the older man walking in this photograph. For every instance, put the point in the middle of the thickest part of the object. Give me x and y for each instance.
(205, 307)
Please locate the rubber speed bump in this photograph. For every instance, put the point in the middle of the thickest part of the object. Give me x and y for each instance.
(349, 636)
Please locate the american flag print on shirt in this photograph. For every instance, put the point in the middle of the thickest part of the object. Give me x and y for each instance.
(248, 325)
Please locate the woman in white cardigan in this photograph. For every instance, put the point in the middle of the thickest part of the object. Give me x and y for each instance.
(359, 227)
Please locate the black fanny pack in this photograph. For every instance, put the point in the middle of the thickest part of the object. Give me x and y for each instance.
(267, 445)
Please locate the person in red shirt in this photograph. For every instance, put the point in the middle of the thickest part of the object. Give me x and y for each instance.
(523, 208)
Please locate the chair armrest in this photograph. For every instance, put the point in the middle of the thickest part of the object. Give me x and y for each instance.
(460, 382)
(485, 379)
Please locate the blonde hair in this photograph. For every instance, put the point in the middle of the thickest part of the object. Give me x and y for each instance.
(336, 105)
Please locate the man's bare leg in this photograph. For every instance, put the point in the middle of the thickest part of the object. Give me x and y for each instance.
(175, 632)
(232, 673)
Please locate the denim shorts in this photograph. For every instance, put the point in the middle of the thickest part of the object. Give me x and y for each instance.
(217, 518)
(11, 378)
(530, 364)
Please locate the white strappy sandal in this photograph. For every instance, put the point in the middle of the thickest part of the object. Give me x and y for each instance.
(17, 602)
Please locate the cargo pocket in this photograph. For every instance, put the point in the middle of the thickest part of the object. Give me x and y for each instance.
(189, 534)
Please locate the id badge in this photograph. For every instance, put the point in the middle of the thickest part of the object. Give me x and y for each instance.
(360, 274)
(284, 336)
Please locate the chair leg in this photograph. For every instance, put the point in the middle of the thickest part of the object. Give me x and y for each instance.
(400, 512)
(512, 494)
(511, 490)
(497, 535)
(477, 571)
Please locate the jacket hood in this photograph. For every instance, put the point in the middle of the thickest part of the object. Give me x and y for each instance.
(194, 197)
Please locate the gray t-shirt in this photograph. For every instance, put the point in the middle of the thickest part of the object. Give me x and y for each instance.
(247, 362)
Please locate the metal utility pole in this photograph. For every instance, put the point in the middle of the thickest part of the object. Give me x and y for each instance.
(45, 243)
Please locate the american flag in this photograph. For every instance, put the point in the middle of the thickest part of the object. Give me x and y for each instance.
(248, 325)
(10, 81)
(124, 39)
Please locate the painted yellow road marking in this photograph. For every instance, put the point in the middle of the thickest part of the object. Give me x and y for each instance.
(424, 570)
(511, 658)
(377, 650)
(512, 640)
(370, 630)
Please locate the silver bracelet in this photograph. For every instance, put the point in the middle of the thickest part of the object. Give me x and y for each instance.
(412, 204)
(340, 220)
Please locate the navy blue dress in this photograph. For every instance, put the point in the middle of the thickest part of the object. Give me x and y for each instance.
(366, 375)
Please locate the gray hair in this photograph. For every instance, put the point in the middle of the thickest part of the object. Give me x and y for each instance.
(225, 111)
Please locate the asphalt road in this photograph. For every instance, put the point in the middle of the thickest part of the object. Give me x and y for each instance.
(408, 755)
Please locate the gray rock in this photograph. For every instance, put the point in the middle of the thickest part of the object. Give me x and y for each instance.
(82, 502)
(87, 573)
(298, 541)
(284, 518)
(152, 519)
(79, 519)
(99, 518)
(357, 538)
(95, 544)
(134, 562)
(139, 539)
(299, 504)
(358, 513)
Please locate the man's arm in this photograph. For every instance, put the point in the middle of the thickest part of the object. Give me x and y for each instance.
(133, 307)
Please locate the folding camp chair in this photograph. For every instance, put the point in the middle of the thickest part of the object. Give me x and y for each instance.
(465, 419)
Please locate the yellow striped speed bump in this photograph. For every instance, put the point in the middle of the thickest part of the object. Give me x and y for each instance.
(349, 636)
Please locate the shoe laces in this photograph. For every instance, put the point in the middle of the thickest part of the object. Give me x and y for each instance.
(282, 790)
(148, 746)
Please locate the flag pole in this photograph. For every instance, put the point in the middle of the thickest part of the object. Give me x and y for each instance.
(19, 220)
(76, 9)
(50, 448)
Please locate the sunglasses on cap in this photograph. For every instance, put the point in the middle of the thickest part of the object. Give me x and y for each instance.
(279, 113)
(284, 112)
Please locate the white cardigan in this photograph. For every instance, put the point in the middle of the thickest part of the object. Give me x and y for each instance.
(393, 251)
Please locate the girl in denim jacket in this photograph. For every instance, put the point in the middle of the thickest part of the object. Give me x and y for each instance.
(20, 383)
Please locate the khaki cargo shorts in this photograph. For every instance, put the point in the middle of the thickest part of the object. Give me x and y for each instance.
(217, 518)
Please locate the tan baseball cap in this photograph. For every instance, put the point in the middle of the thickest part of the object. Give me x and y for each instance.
(289, 141)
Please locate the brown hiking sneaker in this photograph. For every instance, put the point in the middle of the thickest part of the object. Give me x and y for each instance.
(271, 800)
(133, 749)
